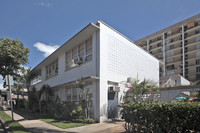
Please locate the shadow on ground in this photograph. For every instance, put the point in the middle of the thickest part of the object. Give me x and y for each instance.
(44, 130)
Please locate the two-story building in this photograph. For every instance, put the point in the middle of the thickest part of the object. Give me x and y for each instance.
(105, 59)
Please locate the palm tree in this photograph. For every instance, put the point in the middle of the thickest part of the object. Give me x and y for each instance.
(26, 78)
(80, 83)
(138, 89)
(85, 98)
(34, 100)
(46, 93)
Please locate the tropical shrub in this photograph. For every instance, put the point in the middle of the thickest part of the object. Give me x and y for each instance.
(33, 100)
(89, 121)
(138, 89)
(161, 117)
(61, 110)
(77, 113)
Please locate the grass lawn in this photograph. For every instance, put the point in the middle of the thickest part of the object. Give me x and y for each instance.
(58, 123)
(14, 126)
(63, 124)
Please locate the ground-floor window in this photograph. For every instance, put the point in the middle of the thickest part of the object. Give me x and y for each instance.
(73, 94)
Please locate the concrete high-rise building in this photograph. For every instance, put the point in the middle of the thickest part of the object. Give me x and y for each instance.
(178, 47)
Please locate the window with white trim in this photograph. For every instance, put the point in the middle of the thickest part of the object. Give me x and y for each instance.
(68, 59)
(52, 70)
(74, 53)
(88, 55)
(83, 51)
(68, 94)
(37, 78)
(74, 94)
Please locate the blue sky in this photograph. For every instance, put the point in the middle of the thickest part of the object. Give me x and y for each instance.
(44, 25)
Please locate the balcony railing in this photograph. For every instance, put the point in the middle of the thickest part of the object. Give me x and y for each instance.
(172, 48)
(173, 61)
(172, 41)
(196, 24)
(191, 42)
(192, 34)
(191, 57)
(192, 49)
(155, 40)
(191, 65)
(172, 34)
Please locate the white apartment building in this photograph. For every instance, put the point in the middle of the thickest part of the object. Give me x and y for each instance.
(105, 59)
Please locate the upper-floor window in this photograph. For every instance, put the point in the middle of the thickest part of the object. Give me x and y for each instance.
(79, 54)
(197, 61)
(170, 60)
(52, 70)
(198, 46)
(170, 54)
(37, 78)
(159, 44)
(170, 67)
(197, 39)
(159, 50)
(88, 51)
(171, 47)
(197, 54)
(197, 69)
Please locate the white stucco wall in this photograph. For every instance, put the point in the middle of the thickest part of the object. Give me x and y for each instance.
(120, 59)
(184, 81)
(90, 68)
(114, 59)
(84, 70)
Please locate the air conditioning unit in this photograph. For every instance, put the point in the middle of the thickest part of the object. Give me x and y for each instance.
(78, 60)
(55, 71)
(113, 88)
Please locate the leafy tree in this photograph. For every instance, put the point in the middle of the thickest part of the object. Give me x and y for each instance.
(12, 55)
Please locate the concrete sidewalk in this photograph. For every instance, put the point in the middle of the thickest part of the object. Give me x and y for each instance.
(37, 126)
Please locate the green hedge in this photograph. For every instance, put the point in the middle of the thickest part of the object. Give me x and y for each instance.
(162, 117)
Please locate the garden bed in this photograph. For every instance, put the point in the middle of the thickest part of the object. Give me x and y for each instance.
(64, 124)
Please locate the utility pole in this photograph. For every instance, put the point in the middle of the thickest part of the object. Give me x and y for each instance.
(9, 83)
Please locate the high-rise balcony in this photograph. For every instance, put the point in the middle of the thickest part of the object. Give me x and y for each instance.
(174, 40)
(174, 61)
(173, 47)
(196, 26)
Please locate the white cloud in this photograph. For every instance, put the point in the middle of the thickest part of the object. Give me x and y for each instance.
(1, 82)
(45, 4)
(1, 85)
(46, 49)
